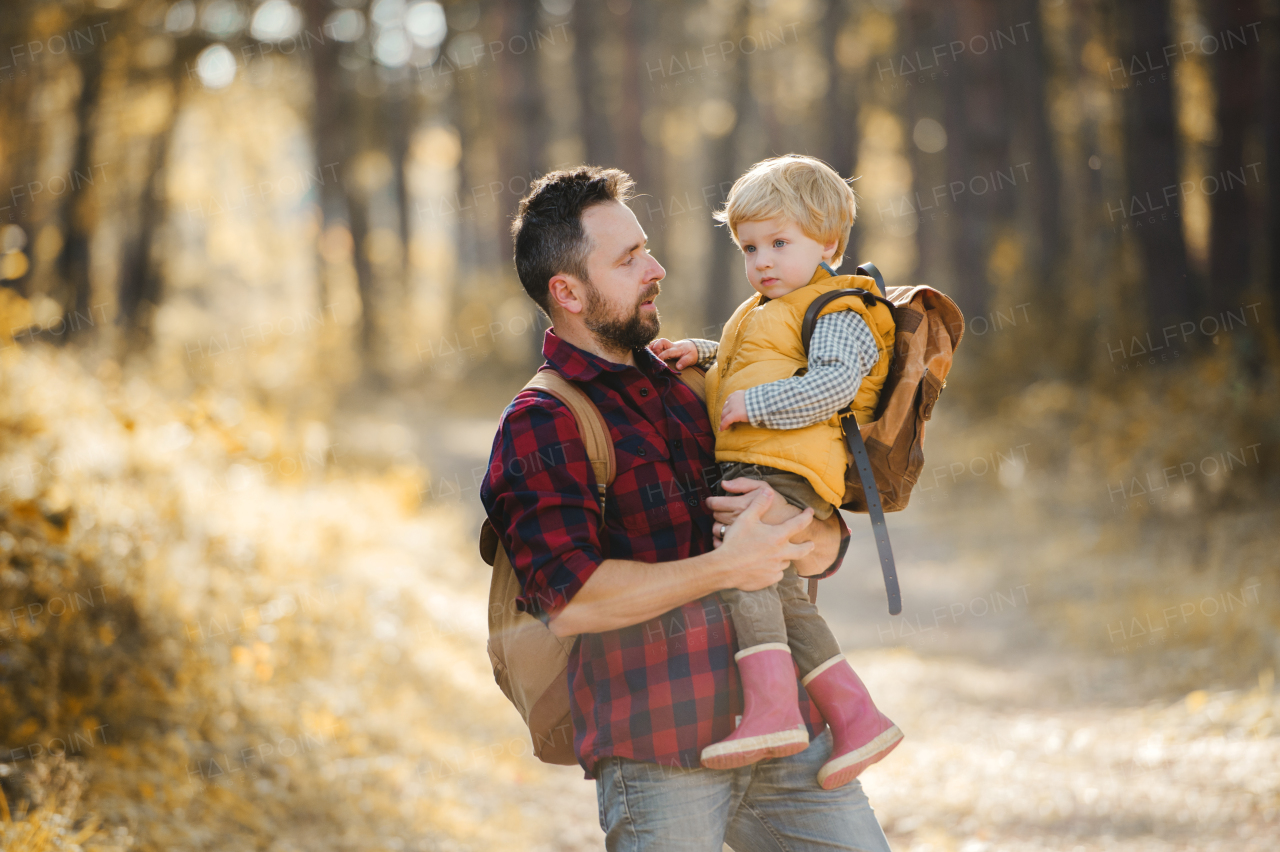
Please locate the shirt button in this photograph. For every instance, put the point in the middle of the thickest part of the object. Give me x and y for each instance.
(693, 502)
(640, 451)
(644, 391)
(677, 443)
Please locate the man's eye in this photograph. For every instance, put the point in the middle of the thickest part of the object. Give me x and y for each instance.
(628, 263)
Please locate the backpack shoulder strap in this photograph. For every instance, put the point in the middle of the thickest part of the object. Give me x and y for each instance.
(591, 425)
(816, 306)
(853, 439)
(873, 272)
(696, 379)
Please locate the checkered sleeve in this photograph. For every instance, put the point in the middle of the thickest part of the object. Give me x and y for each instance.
(539, 493)
(707, 350)
(842, 352)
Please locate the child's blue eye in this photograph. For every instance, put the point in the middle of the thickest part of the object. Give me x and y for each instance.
(748, 249)
(779, 243)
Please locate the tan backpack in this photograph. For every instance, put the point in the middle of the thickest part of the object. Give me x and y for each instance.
(887, 454)
(529, 661)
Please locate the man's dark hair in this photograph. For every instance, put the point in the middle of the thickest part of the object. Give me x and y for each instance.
(547, 228)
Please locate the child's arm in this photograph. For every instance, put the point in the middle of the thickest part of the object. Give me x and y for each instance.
(707, 350)
(689, 352)
(842, 352)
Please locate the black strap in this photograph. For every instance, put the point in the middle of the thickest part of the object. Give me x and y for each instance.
(853, 439)
(816, 306)
(872, 271)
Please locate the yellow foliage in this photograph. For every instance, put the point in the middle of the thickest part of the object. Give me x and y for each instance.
(243, 655)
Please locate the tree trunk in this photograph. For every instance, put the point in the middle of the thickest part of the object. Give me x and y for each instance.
(975, 113)
(840, 112)
(73, 258)
(357, 197)
(597, 134)
(1271, 155)
(1151, 162)
(140, 277)
(338, 115)
(724, 276)
(22, 147)
(635, 25)
(1233, 215)
(1023, 66)
(922, 26)
(522, 108)
(522, 127)
(327, 125)
(400, 109)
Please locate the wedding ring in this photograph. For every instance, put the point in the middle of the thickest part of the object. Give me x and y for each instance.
(722, 529)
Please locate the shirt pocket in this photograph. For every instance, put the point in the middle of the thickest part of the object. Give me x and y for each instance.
(647, 496)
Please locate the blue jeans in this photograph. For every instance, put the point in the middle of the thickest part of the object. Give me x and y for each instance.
(772, 806)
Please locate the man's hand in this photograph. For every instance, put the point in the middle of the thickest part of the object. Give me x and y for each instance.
(824, 535)
(742, 492)
(734, 411)
(758, 551)
(683, 352)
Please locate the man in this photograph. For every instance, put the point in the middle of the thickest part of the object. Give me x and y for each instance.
(651, 677)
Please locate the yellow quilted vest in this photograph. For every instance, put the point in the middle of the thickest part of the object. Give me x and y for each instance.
(761, 343)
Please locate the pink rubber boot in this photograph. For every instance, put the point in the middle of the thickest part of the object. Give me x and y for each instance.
(771, 722)
(862, 734)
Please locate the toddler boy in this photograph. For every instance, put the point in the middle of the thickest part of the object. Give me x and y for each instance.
(776, 413)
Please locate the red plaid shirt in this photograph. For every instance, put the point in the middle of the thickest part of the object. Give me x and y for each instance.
(663, 690)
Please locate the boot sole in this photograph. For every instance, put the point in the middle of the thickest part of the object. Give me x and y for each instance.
(840, 771)
(733, 754)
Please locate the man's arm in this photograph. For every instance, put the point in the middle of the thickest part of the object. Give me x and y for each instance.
(621, 592)
(539, 490)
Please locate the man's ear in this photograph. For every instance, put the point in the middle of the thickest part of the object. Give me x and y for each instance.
(567, 293)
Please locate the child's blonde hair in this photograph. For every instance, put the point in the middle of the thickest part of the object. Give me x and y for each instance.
(801, 189)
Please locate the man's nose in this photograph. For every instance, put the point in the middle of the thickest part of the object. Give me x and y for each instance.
(656, 272)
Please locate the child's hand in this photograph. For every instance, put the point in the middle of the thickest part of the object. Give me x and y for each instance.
(734, 411)
(683, 352)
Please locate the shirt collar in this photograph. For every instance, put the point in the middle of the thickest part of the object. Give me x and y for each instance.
(578, 365)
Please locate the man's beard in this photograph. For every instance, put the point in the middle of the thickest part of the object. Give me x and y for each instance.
(627, 333)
